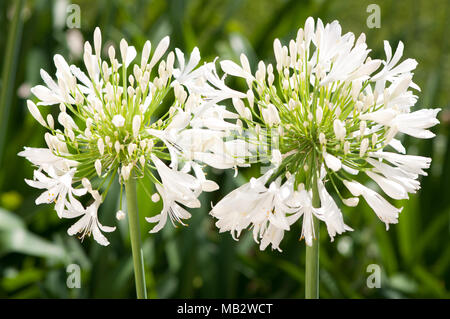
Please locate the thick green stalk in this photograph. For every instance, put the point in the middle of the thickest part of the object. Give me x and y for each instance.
(135, 236)
(312, 253)
(9, 71)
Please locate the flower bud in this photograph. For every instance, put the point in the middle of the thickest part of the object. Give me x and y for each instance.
(319, 114)
(50, 121)
(35, 112)
(351, 202)
(123, 50)
(239, 106)
(98, 167)
(362, 128)
(86, 183)
(111, 53)
(155, 197)
(346, 147)
(142, 160)
(339, 129)
(363, 147)
(125, 172)
(117, 147)
(120, 215)
(374, 139)
(101, 146)
(131, 148)
(145, 53)
(322, 138)
(118, 120)
(270, 115)
(159, 51)
(97, 41)
(136, 125)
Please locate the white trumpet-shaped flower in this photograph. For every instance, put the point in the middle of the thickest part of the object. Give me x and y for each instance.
(325, 106)
(106, 130)
(263, 208)
(58, 188)
(88, 223)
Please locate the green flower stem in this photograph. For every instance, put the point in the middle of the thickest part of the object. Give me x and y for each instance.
(135, 236)
(312, 253)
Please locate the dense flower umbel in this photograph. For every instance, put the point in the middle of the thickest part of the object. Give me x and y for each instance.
(325, 111)
(108, 127)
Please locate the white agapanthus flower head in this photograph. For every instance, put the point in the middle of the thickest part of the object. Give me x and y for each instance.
(326, 114)
(111, 121)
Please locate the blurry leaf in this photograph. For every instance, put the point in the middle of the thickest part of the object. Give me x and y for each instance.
(430, 282)
(14, 237)
(404, 283)
(386, 248)
(406, 229)
(292, 270)
(21, 279)
(433, 231)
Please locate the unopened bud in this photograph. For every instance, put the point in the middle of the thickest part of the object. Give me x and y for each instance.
(98, 167)
(155, 197)
(363, 147)
(101, 146)
(120, 215)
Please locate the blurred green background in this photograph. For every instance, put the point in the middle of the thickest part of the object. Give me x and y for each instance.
(196, 261)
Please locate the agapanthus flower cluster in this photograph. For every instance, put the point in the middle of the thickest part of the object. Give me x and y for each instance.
(326, 114)
(112, 122)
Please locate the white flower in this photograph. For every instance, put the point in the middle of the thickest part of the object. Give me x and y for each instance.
(225, 155)
(202, 81)
(53, 93)
(171, 208)
(202, 142)
(408, 180)
(325, 110)
(408, 163)
(234, 209)
(232, 68)
(178, 188)
(58, 188)
(266, 209)
(215, 90)
(330, 213)
(184, 74)
(384, 210)
(416, 123)
(107, 125)
(390, 70)
(185, 187)
(206, 185)
(88, 224)
(303, 199)
(45, 159)
(390, 187)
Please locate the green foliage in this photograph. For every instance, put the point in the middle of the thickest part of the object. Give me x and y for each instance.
(197, 261)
